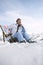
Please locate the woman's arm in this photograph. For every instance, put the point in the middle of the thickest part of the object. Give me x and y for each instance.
(23, 29)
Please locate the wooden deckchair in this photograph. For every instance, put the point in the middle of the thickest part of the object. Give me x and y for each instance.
(6, 35)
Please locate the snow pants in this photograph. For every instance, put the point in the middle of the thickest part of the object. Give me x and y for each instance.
(21, 36)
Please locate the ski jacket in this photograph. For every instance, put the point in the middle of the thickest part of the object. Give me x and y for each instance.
(20, 28)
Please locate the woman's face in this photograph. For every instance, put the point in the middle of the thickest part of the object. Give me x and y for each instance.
(19, 22)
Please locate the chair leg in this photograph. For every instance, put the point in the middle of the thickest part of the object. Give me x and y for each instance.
(3, 33)
(3, 37)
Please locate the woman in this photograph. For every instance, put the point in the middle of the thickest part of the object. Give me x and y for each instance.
(21, 34)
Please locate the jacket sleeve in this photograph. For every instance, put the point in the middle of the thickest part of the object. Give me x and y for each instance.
(23, 29)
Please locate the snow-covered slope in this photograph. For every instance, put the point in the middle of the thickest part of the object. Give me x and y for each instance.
(22, 54)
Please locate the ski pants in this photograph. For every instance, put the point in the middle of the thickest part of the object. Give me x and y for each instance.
(21, 36)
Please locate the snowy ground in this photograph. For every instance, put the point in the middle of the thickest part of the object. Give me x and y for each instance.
(22, 54)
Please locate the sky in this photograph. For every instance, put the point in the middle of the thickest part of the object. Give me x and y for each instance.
(30, 11)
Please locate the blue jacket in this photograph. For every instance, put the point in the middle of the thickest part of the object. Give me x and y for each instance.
(20, 28)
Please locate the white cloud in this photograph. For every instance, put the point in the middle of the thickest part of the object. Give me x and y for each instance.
(11, 16)
(32, 25)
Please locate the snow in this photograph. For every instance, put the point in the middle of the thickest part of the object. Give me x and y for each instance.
(22, 53)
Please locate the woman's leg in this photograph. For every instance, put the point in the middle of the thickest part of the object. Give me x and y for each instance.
(19, 36)
(28, 39)
(26, 36)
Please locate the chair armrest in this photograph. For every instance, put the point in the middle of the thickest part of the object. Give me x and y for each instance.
(6, 35)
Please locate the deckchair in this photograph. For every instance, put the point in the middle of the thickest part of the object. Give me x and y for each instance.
(6, 33)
